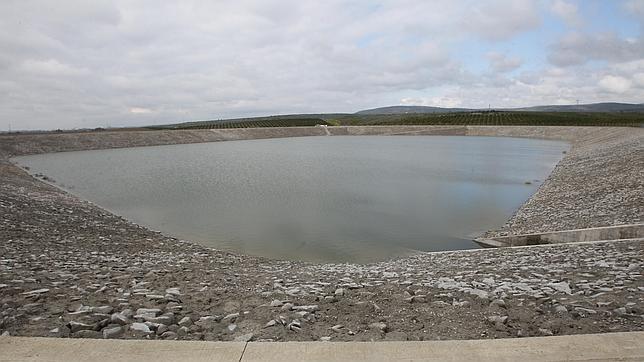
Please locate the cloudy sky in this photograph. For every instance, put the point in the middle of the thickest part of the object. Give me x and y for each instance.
(73, 64)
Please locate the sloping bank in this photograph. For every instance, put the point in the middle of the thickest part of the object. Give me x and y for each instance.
(68, 268)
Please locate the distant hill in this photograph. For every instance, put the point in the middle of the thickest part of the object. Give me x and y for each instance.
(594, 107)
(411, 109)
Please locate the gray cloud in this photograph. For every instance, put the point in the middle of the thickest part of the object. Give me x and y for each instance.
(567, 11)
(578, 48)
(501, 63)
(499, 20)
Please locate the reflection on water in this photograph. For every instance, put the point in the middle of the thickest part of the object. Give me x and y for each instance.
(330, 199)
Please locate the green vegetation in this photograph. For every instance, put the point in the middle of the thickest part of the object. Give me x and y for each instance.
(484, 118)
(248, 123)
(499, 118)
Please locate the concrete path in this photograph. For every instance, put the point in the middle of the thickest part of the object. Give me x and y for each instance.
(590, 347)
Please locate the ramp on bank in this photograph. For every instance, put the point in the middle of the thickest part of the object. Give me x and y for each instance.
(607, 233)
(627, 346)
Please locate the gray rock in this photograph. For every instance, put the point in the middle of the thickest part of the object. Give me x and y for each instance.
(270, 323)
(106, 309)
(244, 337)
(339, 292)
(88, 334)
(162, 328)
(140, 327)
(563, 287)
(416, 299)
(380, 326)
(183, 331)
(169, 335)
(119, 318)
(231, 317)
(287, 306)
(148, 311)
(277, 303)
(585, 310)
(185, 322)
(232, 327)
(497, 319)
(162, 319)
(620, 311)
(36, 292)
(77, 326)
(302, 313)
(294, 326)
(498, 303)
(114, 332)
(337, 328)
(307, 308)
(173, 291)
(478, 292)
(488, 281)
(561, 309)
(101, 324)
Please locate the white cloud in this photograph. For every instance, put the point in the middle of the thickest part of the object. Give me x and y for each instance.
(638, 79)
(51, 67)
(567, 11)
(140, 110)
(635, 7)
(448, 102)
(501, 63)
(615, 84)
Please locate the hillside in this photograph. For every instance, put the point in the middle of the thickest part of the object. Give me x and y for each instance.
(593, 107)
(410, 109)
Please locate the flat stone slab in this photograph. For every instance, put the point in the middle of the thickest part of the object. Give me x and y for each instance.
(590, 347)
(63, 350)
(625, 346)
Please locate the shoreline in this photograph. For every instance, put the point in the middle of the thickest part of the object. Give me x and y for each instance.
(99, 269)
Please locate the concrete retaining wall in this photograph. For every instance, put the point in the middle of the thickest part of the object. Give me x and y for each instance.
(634, 231)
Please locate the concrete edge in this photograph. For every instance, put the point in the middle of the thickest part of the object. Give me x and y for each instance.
(501, 241)
(493, 244)
(623, 346)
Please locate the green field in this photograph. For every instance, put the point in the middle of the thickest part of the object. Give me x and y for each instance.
(485, 118)
(249, 123)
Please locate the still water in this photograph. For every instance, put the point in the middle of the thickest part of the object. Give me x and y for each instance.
(324, 199)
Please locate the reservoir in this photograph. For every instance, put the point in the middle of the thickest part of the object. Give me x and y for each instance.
(323, 199)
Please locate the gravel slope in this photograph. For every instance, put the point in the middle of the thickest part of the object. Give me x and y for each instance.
(69, 268)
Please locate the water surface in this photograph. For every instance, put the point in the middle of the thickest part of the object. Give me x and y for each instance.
(328, 199)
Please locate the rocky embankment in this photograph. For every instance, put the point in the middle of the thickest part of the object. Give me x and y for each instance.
(71, 269)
